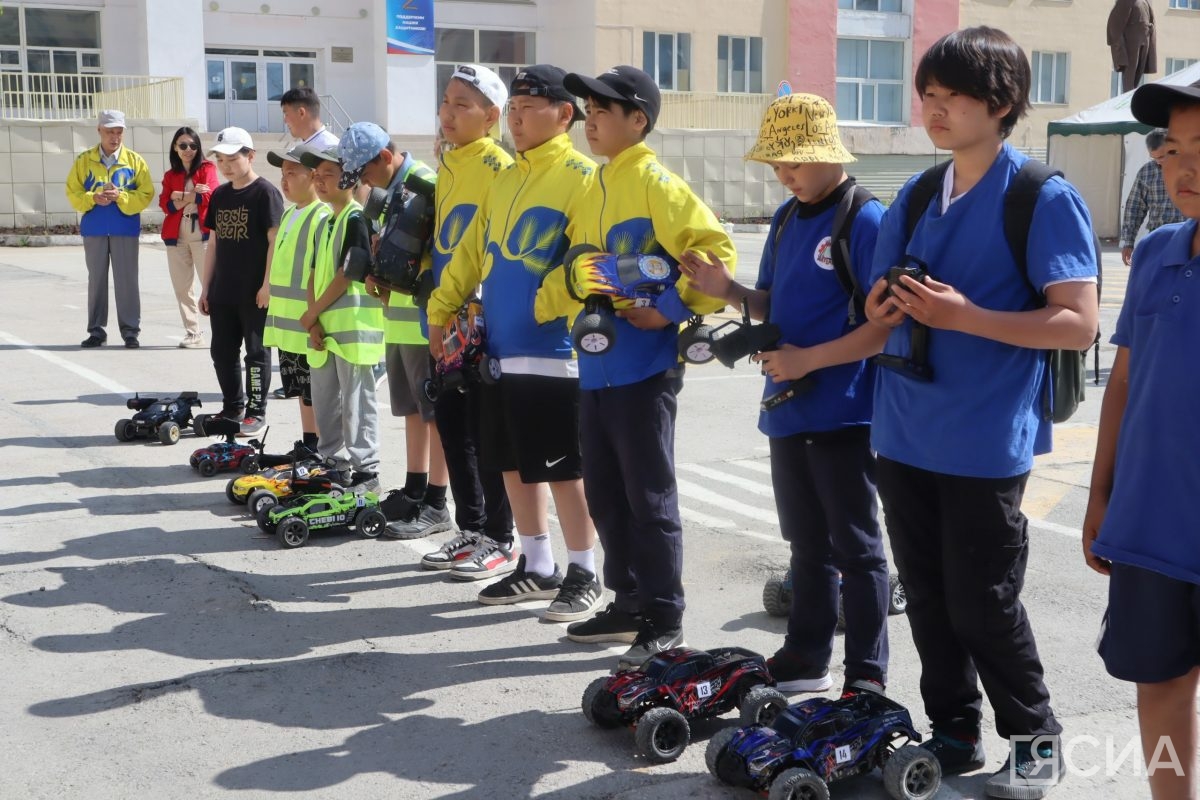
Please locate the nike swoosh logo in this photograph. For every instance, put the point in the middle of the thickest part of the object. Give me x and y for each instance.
(550, 463)
(639, 99)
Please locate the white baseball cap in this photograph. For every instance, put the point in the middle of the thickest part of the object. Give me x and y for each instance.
(231, 141)
(485, 80)
(111, 118)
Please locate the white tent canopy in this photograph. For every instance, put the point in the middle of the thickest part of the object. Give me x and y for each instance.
(1100, 150)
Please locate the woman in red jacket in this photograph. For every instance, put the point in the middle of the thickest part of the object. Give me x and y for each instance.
(186, 188)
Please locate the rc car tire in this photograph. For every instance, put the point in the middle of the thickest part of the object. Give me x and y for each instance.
(489, 369)
(694, 344)
(716, 748)
(260, 499)
(429, 389)
(230, 496)
(292, 533)
(761, 705)
(124, 430)
(798, 784)
(897, 597)
(593, 333)
(369, 523)
(168, 433)
(662, 734)
(776, 597)
(207, 468)
(198, 424)
(599, 705)
(249, 465)
(263, 518)
(912, 773)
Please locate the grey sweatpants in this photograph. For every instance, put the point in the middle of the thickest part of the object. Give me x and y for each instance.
(343, 397)
(123, 252)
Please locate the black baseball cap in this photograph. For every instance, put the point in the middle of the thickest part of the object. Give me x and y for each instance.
(625, 83)
(1152, 103)
(544, 80)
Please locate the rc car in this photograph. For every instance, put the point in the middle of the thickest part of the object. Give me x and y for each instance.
(160, 417)
(463, 361)
(659, 697)
(292, 523)
(227, 455)
(777, 597)
(299, 486)
(276, 471)
(816, 742)
(604, 282)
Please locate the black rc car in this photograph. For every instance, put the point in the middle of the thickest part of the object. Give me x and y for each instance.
(659, 697)
(817, 742)
(159, 417)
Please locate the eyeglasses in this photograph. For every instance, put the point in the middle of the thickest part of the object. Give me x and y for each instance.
(186, 146)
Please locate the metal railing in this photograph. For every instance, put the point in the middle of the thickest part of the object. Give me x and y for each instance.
(712, 110)
(61, 96)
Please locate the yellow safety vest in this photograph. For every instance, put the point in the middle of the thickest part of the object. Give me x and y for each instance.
(294, 252)
(353, 324)
(403, 318)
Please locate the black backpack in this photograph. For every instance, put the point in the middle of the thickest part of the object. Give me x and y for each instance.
(848, 207)
(1066, 369)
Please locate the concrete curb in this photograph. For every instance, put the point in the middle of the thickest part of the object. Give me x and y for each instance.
(59, 240)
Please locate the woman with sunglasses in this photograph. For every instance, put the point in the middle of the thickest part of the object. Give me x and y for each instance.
(186, 188)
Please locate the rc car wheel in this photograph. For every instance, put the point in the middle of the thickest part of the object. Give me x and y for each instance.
(168, 432)
(798, 784)
(198, 424)
(599, 705)
(694, 344)
(898, 598)
(230, 496)
(489, 369)
(777, 597)
(369, 523)
(249, 465)
(593, 333)
(912, 773)
(662, 734)
(207, 468)
(263, 518)
(125, 430)
(762, 705)
(716, 749)
(429, 389)
(261, 500)
(292, 533)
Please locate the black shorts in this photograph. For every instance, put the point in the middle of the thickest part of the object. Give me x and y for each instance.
(294, 375)
(1151, 630)
(530, 423)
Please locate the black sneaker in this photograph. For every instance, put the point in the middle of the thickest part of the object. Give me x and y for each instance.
(651, 640)
(1026, 776)
(132, 343)
(578, 598)
(956, 755)
(399, 507)
(793, 675)
(520, 585)
(610, 625)
(93, 341)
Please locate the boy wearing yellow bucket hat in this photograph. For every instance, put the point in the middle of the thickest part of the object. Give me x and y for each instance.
(818, 252)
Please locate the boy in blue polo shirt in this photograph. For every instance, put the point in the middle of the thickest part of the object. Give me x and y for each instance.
(822, 467)
(956, 442)
(1140, 527)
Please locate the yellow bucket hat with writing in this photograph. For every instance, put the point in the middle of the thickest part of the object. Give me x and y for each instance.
(800, 129)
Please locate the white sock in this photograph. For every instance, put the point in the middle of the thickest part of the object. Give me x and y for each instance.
(539, 558)
(584, 558)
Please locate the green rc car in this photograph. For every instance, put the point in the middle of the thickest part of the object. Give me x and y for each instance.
(291, 523)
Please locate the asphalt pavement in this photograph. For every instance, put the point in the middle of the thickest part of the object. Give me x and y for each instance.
(154, 644)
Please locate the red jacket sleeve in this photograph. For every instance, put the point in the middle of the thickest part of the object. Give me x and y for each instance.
(169, 181)
(207, 174)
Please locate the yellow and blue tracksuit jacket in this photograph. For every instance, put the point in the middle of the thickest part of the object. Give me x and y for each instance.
(465, 176)
(516, 238)
(130, 175)
(635, 205)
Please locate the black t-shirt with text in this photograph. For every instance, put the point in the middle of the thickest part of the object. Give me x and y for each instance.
(240, 219)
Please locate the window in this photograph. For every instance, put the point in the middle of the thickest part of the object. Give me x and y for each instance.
(503, 51)
(668, 58)
(1176, 64)
(892, 6)
(739, 64)
(1193, 5)
(1050, 71)
(48, 40)
(870, 80)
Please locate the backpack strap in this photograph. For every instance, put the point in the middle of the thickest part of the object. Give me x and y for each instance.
(927, 187)
(1020, 199)
(843, 265)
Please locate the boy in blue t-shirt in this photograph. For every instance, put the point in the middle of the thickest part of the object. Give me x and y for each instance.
(822, 467)
(1140, 527)
(956, 443)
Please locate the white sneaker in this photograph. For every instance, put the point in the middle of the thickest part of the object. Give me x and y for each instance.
(192, 341)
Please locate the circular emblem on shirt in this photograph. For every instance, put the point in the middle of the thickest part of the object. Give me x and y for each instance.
(823, 255)
(655, 268)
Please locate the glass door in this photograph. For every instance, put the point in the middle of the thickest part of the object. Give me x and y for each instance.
(243, 94)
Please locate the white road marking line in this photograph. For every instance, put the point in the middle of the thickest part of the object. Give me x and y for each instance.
(763, 467)
(705, 495)
(1054, 527)
(68, 305)
(700, 518)
(754, 487)
(83, 372)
